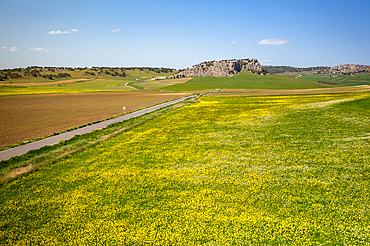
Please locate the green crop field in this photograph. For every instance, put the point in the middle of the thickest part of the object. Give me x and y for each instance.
(274, 170)
(157, 84)
(344, 80)
(245, 80)
(96, 85)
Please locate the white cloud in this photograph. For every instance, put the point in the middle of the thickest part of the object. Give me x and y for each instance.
(74, 30)
(58, 32)
(273, 41)
(115, 30)
(39, 49)
(10, 48)
(234, 42)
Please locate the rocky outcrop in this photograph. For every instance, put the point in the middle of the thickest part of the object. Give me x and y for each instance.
(351, 68)
(220, 68)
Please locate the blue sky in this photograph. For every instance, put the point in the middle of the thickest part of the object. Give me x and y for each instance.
(179, 34)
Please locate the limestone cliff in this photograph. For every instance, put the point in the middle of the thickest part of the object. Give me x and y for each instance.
(351, 68)
(220, 68)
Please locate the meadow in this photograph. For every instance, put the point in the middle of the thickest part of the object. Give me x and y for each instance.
(158, 84)
(344, 80)
(273, 170)
(280, 92)
(245, 80)
(25, 117)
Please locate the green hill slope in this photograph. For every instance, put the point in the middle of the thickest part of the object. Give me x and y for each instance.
(341, 79)
(245, 80)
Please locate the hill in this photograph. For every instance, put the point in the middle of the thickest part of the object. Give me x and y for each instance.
(47, 74)
(351, 69)
(220, 68)
(295, 70)
(245, 80)
(341, 69)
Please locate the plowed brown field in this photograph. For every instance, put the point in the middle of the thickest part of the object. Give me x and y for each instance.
(25, 117)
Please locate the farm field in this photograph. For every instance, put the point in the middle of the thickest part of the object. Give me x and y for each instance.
(96, 84)
(245, 80)
(344, 80)
(80, 80)
(25, 117)
(15, 90)
(47, 83)
(81, 86)
(272, 170)
(257, 92)
(157, 84)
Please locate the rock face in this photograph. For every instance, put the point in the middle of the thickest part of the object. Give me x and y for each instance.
(351, 68)
(220, 68)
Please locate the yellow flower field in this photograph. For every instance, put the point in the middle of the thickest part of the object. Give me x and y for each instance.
(284, 170)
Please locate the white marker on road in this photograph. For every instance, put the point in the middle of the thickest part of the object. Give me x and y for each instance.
(124, 109)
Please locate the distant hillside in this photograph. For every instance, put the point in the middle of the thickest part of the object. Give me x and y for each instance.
(245, 80)
(221, 68)
(57, 73)
(342, 69)
(289, 70)
(351, 69)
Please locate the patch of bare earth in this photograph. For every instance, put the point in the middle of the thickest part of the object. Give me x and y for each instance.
(18, 171)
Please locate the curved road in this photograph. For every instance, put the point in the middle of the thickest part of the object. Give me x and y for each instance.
(6, 154)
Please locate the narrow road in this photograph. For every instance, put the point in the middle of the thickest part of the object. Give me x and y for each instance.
(6, 154)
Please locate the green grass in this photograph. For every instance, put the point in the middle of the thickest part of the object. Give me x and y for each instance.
(344, 80)
(101, 85)
(245, 80)
(280, 170)
(158, 84)
(20, 90)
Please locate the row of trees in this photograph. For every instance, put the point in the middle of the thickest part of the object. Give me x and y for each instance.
(10, 75)
(61, 72)
(57, 76)
(115, 73)
(37, 69)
